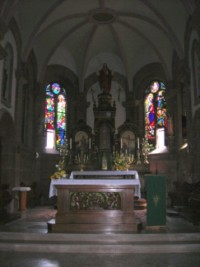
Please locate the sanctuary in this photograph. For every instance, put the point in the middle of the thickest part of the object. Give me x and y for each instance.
(100, 195)
(99, 101)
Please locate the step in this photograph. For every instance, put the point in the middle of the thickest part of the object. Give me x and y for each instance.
(100, 243)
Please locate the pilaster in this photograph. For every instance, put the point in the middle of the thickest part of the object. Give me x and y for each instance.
(3, 29)
(3, 53)
(22, 80)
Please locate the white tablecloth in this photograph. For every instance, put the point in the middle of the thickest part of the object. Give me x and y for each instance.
(21, 188)
(53, 190)
(132, 174)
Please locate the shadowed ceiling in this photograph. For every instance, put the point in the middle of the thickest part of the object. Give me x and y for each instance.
(83, 34)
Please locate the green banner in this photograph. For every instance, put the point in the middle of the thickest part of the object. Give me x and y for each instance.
(156, 199)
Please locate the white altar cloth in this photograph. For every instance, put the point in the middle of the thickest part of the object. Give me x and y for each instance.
(132, 174)
(21, 188)
(53, 190)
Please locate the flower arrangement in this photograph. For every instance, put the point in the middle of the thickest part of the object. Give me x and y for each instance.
(119, 162)
(60, 173)
(122, 161)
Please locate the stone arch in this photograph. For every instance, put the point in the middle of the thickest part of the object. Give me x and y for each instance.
(64, 75)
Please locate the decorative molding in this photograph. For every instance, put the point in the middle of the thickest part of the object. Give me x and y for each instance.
(95, 201)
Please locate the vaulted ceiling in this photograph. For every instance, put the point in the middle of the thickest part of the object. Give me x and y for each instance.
(83, 34)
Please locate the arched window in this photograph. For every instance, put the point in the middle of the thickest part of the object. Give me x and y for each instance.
(155, 113)
(55, 115)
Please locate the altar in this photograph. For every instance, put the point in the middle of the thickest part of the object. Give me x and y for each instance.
(92, 206)
(95, 177)
(105, 174)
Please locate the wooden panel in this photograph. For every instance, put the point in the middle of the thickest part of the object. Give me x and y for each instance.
(98, 217)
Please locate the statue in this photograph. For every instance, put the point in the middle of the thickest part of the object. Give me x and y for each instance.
(105, 79)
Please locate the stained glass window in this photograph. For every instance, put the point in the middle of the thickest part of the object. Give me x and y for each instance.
(55, 115)
(155, 110)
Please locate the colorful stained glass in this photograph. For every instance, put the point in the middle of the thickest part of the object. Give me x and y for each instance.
(154, 87)
(49, 102)
(56, 88)
(55, 112)
(49, 120)
(150, 115)
(155, 109)
(161, 110)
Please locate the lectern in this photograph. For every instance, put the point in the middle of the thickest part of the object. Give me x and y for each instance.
(155, 186)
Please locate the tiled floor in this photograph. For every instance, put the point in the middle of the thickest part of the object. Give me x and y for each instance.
(99, 260)
(35, 221)
(172, 247)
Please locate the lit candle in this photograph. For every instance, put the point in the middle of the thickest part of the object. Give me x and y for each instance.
(138, 142)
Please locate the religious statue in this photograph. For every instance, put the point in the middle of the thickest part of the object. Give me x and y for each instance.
(105, 79)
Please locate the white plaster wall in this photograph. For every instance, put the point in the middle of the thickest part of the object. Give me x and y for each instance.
(63, 57)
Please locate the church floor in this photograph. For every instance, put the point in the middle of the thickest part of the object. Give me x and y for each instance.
(25, 242)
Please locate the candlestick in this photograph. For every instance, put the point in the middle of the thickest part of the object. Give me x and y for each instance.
(70, 143)
(89, 143)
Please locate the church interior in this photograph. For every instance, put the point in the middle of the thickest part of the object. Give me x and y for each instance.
(103, 88)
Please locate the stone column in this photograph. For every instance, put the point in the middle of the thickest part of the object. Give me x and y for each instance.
(172, 110)
(2, 53)
(21, 81)
(39, 136)
(3, 30)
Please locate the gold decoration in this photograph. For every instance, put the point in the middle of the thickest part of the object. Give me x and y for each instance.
(95, 201)
(156, 199)
(61, 166)
(122, 161)
(60, 173)
(82, 159)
